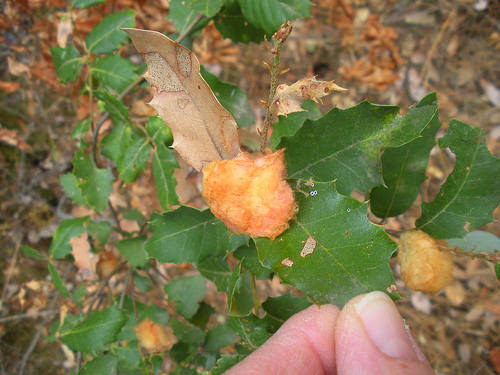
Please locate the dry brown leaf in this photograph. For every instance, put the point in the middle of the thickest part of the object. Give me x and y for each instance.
(9, 87)
(16, 68)
(203, 130)
(85, 259)
(288, 99)
(64, 30)
(10, 137)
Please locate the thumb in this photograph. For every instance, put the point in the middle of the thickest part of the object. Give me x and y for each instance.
(371, 338)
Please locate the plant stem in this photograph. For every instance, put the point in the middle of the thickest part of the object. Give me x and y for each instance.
(256, 302)
(279, 38)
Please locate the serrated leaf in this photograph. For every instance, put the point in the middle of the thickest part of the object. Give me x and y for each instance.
(471, 192)
(186, 292)
(32, 253)
(219, 337)
(287, 126)
(252, 330)
(206, 7)
(187, 235)
(202, 316)
(187, 333)
(403, 169)
(83, 4)
(232, 98)
(182, 16)
(101, 365)
(280, 309)
(81, 128)
(96, 331)
(57, 281)
(95, 183)
(226, 362)
(67, 62)
(158, 131)
(60, 246)
(129, 354)
(250, 260)
(231, 24)
(69, 183)
(239, 292)
(344, 145)
(164, 164)
(216, 270)
(132, 249)
(106, 36)
(331, 251)
(114, 72)
(118, 111)
(477, 241)
(269, 15)
(100, 230)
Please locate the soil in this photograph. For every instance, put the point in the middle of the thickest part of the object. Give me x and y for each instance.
(385, 51)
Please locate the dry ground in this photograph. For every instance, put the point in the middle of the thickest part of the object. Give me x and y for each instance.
(389, 52)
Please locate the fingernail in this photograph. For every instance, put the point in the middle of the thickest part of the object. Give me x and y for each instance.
(385, 326)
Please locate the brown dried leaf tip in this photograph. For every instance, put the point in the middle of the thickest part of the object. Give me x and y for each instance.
(425, 266)
(288, 99)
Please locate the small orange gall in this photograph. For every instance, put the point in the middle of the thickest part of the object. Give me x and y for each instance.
(424, 265)
(250, 194)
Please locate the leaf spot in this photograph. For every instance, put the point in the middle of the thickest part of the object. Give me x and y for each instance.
(313, 193)
(309, 247)
(391, 289)
(348, 210)
(160, 74)
(182, 103)
(287, 262)
(183, 60)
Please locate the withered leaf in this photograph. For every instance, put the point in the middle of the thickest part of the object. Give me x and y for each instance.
(203, 130)
(289, 99)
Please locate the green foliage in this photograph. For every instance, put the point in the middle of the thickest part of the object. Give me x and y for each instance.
(403, 170)
(96, 331)
(332, 251)
(470, 193)
(344, 145)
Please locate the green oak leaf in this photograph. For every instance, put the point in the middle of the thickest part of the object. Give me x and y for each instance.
(132, 249)
(188, 235)
(219, 337)
(95, 183)
(280, 309)
(68, 229)
(57, 281)
(83, 4)
(106, 36)
(101, 365)
(471, 192)
(251, 329)
(344, 145)
(96, 331)
(288, 125)
(232, 24)
(186, 292)
(269, 15)
(67, 62)
(114, 72)
(403, 169)
(331, 251)
(182, 16)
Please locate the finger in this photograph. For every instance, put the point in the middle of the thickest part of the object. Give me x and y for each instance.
(372, 338)
(303, 345)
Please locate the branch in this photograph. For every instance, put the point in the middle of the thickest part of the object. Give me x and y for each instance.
(279, 38)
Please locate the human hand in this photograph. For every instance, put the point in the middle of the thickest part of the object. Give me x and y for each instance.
(368, 336)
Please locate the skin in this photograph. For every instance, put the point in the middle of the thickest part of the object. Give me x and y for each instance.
(367, 336)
